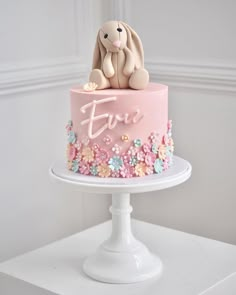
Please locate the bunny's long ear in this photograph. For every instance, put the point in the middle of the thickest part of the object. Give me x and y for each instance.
(98, 54)
(135, 45)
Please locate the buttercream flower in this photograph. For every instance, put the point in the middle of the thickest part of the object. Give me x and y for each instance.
(169, 124)
(154, 137)
(170, 160)
(127, 171)
(115, 163)
(115, 174)
(158, 168)
(132, 151)
(133, 161)
(169, 133)
(137, 142)
(79, 156)
(125, 137)
(94, 170)
(88, 154)
(71, 152)
(140, 169)
(101, 156)
(146, 147)
(171, 142)
(116, 149)
(107, 139)
(155, 148)
(71, 137)
(104, 170)
(126, 158)
(140, 156)
(84, 168)
(149, 170)
(69, 165)
(95, 147)
(162, 152)
(75, 166)
(90, 86)
(150, 158)
(85, 140)
(69, 126)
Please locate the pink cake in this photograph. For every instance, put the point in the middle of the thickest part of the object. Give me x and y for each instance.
(119, 131)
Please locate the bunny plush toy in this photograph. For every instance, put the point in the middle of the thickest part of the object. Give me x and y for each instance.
(118, 60)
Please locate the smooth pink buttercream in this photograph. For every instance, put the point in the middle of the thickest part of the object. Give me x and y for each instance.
(152, 103)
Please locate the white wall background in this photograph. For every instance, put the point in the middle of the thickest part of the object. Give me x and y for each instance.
(46, 46)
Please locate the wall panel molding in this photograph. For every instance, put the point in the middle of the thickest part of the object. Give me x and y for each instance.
(27, 75)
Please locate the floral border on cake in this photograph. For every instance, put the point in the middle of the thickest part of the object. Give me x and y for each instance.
(142, 158)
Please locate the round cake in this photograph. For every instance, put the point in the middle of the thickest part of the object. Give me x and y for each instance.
(119, 123)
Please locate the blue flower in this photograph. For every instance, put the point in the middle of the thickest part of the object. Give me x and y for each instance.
(115, 163)
(133, 161)
(158, 166)
(71, 137)
(75, 166)
(94, 170)
(168, 151)
(155, 148)
(137, 142)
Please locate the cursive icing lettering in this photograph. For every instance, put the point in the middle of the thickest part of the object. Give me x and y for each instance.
(111, 120)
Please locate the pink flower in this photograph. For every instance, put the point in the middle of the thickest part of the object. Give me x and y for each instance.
(107, 139)
(149, 170)
(79, 156)
(140, 156)
(116, 149)
(150, 158)
(146, 147)
(104, 170)
(169, 125)
(115, 173)
(88, 154)
(140, 169)
(126, 158)
(84, 168)
(78, 144)
(71, 152)
(127, 171)
(101, 156)
(85, 140)
(132, 151)
(154, 137)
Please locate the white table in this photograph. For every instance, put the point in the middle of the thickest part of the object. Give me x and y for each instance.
(192, 265)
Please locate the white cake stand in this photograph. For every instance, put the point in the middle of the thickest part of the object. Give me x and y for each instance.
(122, 258)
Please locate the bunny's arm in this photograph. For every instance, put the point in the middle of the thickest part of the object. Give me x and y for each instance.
(107, 65)
(129, 63)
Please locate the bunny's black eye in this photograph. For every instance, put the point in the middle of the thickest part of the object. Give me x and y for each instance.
(119, 29)
(105, 36)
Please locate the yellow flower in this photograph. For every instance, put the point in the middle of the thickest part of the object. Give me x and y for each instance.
(162, 152)
(140, 169)
(69, 165)
(104, 170)
(88, 154)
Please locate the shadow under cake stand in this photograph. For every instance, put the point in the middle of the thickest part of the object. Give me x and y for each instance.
(122, 258)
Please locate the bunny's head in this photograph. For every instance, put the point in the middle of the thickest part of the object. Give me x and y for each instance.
(114, 36)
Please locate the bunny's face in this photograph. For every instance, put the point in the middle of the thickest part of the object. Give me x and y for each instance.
(113, 36)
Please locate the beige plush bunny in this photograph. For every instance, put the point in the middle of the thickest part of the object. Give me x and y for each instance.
(118, 58)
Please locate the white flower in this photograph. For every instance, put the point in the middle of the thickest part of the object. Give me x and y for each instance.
(90, 86)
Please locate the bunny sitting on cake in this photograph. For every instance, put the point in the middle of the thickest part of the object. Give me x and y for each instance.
(118, 60)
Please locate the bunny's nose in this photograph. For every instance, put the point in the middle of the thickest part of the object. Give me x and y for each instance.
(117, 43)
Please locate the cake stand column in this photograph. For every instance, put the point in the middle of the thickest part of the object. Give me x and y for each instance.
(122, 258)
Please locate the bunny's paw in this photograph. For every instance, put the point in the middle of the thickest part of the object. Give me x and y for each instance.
(139, 79)
(97, 76)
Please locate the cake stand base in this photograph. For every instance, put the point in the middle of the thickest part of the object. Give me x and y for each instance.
(122, 258)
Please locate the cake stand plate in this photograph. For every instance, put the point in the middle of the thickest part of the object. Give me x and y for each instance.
(122, 258)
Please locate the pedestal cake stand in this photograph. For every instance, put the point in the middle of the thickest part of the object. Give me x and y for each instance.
(122, 258)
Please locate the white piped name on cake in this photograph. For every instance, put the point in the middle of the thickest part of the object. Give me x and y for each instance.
(111, 120)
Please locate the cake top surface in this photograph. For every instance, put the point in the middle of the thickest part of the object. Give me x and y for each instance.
(152, 87)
